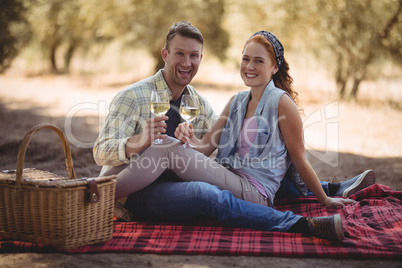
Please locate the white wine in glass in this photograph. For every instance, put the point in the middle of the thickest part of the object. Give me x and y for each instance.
(160, 108)
(160, 104)
(189, 110)
(189, 113)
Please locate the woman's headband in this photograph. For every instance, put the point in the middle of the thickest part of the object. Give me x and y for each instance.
(276, 44)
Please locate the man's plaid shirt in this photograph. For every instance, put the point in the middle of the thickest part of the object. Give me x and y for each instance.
(128, 113)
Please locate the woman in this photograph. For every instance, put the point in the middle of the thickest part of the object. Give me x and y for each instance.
(260, 131)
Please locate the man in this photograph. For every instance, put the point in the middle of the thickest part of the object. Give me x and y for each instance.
(130, 126)
(130, 129)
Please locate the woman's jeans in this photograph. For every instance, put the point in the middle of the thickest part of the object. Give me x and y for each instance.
(288, 189)
(169, 201)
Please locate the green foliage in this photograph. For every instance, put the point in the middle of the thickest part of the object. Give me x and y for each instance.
(12, 33)
(145, 23)
(79, 23)
(351, 37)
(63, 24)
(355, 34)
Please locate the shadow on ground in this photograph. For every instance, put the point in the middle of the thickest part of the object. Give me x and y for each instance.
(45, 150)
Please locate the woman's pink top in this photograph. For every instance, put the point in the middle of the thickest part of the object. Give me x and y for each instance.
(246, 138)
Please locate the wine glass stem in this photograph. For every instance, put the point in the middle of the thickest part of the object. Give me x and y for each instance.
(187, 144)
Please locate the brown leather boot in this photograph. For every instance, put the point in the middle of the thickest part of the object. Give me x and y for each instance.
(326, 227)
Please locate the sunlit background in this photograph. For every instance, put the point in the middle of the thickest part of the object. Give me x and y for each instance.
(350, 41)
(344, 55)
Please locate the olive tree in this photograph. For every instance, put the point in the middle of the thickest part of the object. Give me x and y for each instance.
(78, 23)
(355, 35)
(14, 31)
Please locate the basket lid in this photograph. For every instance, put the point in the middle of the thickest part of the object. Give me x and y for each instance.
(40, 178)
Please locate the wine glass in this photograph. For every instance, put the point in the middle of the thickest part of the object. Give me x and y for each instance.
(160, 104)
(189, 110)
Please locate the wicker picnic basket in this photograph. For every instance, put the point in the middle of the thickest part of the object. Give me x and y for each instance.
(42, 207)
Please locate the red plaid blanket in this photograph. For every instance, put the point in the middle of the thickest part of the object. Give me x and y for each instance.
(373, 229)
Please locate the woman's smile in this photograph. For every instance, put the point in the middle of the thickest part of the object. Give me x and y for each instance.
(249, 75)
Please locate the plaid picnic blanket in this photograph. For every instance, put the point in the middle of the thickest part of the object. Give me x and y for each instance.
(373, 229)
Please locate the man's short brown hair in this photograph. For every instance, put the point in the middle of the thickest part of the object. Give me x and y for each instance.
(185, 29)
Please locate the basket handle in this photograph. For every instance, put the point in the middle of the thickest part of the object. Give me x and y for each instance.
(27, 139)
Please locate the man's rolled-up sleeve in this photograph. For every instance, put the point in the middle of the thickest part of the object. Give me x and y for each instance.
(121, 123)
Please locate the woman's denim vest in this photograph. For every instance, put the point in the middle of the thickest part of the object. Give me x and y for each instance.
(268, 161)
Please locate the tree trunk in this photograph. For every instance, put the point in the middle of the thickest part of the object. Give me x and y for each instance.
(341, 76)
(341, 87)
(159, 62)
(340, 83)
(53, 59)
(355, 89)
(68, 56)
(358, 77)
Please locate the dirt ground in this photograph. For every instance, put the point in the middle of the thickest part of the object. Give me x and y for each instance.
(342, 140)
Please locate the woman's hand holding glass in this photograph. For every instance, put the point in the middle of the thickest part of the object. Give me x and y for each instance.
(189, 110)
(184, 132)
